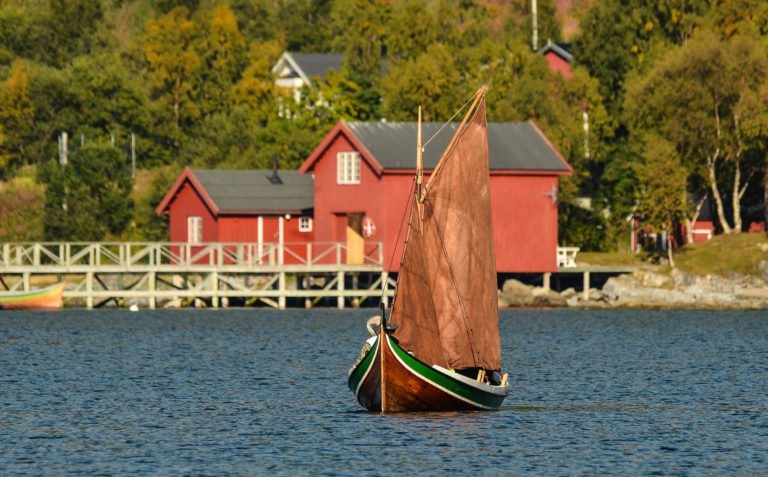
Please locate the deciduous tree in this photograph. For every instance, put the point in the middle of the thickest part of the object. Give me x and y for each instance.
(663, 196)
(704, 97)
(16, 117)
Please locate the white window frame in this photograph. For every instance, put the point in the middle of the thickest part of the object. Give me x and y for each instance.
(348, 168)
(305, 224)
(194, 229)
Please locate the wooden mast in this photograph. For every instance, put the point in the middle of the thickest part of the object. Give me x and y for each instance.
(419, 166)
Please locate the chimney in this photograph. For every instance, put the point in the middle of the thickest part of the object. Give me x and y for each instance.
(275, 179)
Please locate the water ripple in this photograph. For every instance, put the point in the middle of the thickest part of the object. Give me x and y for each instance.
(242, 392)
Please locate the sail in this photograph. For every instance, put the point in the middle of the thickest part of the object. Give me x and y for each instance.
(446, 302)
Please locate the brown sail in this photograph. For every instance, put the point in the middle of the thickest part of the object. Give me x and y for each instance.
(446, 303)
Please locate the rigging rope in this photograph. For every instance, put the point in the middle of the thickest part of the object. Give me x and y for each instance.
(448, 122)
(408, 203)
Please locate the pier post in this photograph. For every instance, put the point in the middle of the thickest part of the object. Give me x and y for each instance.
(89, 290)
(215, 288)
(586, 286)
(340, 288)
(151, 286)
(547, 278)
(25, 281)
(281, 290)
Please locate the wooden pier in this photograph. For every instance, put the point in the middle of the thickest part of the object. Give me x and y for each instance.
(216, 274)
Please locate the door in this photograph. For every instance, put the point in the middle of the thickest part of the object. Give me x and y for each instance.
(355, 241)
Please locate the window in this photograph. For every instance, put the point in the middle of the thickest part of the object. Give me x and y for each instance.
(194, 229)
(305, 224)
(348, 170)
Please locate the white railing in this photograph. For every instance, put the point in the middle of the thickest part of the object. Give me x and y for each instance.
(134, 254)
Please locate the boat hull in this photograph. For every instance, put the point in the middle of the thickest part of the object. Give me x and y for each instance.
(48, 298)
(410, 385)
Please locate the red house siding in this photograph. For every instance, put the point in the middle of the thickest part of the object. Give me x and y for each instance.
(238, 229)
(524, 223)
(558, 64)
(334, 201)
(524, 215)
(188, 202)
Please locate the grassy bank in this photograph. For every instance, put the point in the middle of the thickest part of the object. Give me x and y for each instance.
(723, 255)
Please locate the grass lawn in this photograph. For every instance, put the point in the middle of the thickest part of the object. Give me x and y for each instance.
(739, 253)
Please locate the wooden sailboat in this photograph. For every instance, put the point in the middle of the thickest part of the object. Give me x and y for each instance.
(439, 349)
(48, 298)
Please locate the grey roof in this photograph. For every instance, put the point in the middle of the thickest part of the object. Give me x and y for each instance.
(511, 146)
(309, 65)
(563, 50)
(249, 191)
(318, 64)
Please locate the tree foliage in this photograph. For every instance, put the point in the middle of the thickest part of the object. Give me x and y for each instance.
(192, 81)
(88, 198)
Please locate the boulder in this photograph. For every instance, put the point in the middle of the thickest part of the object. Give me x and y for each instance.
(517, 294)
(568, 293)
(762, 269)
(626, 287)
(549, 299)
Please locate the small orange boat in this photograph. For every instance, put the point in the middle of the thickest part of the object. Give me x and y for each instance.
(48, 298)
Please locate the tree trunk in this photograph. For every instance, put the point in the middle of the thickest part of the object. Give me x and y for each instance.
(711, 162)
(690, 222)
(669, 250)
(765, 192)
(736, 197)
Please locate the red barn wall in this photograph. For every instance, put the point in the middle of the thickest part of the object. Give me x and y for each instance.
(188, 202)
(333, 201)
(238, 229)
(524, 223)
(524, 216)
(557, 64)
(396, 204)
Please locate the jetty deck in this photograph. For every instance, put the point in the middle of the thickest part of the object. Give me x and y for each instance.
(219, 274)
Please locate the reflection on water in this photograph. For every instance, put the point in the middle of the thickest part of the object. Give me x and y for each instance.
(256, 391)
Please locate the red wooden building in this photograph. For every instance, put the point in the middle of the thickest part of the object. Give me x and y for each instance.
(258, 206)
(559, 57)
(364, 170)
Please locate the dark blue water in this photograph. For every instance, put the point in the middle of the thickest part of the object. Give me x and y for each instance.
(244, 392)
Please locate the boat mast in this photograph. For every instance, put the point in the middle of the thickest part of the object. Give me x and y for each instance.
(419, 166)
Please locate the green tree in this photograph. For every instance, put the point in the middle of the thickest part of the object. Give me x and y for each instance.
(256, 87)
(663, 197)
(16, 117)
(619, 36)
(173, 62)
(359, 28)
(223, 55)
(705, 98)
(430, 80)
(89, 198)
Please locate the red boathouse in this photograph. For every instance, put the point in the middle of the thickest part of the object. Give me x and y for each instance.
(364, 170)
(231, 206)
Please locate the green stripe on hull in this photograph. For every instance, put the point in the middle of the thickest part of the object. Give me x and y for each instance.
(480, 398)
(360, 371)
(24, 296)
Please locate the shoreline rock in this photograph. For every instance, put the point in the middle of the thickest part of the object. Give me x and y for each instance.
(648, 289)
